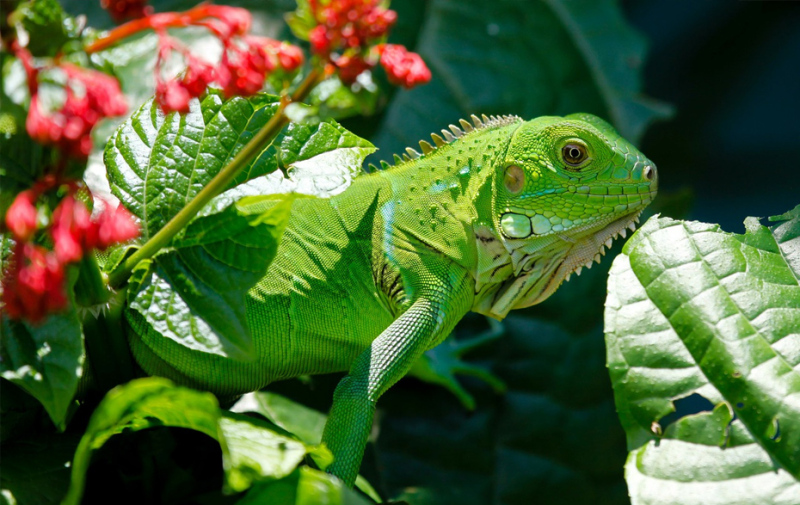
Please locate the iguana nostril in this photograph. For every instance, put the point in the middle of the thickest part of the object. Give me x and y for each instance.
(649, 172)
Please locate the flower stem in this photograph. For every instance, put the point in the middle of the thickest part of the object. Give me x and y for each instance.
(257, 144)
(159, 21)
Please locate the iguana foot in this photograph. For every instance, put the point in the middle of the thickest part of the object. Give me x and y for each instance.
(441, 364)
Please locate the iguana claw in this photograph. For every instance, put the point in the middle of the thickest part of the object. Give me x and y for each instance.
(441, 364)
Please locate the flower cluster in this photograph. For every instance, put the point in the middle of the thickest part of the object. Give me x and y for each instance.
(89, 97)
(349, 34)
(246, 59)
(33, 285)
(350, 24)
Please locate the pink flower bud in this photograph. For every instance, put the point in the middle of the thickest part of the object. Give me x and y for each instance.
(199, 75)
(403, 67)
(34, 286)
(172, 96)
(350, 67)
(21, 216)
(289, 57)
(115, 226)
(243, 71)
(90, 96)
(73, 231)
(318, 38)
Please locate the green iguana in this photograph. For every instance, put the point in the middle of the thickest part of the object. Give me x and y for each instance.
(494, 217)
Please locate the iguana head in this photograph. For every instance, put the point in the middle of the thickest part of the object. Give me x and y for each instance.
(566, 188)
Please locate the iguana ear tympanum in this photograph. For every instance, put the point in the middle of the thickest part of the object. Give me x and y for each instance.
(494, 217)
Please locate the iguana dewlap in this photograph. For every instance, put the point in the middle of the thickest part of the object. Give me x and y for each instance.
(494, 217)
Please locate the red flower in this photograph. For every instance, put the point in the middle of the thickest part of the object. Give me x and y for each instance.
(90, 96)
(350, 67)
(34, 285)
(115, 226)
(199, 75)
(102, 91)
(243, 70)
(21, 216)
(172, 96)
(348, 24)
(403, 67)
(73, 231)
(346, 32)
(289, 57)
(122, 10)
(320, 43)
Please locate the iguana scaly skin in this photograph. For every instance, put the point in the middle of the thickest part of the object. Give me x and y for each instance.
(494, 218)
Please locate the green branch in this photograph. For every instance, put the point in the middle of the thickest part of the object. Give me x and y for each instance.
(257, 144)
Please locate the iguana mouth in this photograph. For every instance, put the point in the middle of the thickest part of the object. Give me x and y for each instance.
(592, 248)
(538, 274)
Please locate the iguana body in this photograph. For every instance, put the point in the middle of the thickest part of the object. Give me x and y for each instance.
(369, 279)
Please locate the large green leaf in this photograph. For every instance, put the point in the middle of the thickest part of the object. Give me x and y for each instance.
(531, 59)
(694, 312)
(319, 159)
(193, 293)
(157, 163)
(252, 450)
(44, 359)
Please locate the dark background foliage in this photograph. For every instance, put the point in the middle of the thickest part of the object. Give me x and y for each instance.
(729, 69)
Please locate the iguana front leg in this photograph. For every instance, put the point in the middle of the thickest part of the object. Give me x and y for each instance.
(444, 362)
(442, 301)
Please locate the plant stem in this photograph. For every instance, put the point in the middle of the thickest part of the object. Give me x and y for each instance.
(257, 144)
(158, 21)
(90, 288)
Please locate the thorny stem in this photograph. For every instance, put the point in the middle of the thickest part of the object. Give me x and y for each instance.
(257, 144)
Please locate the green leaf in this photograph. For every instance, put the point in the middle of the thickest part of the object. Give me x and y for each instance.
(305, 486)
(194, 293)
(45, 24)
(531, 59)
(319, 160)
(302, 20)
(255, 451)
(787, 235)
(251, 450)
(44, 359)
(157, 163)
(305, 423)
(553, 435)
(332, 98)
(138, 405)
(694, 311)
(675, 472)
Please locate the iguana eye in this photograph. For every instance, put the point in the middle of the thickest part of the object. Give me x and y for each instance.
(574, 154)
(514, 179)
